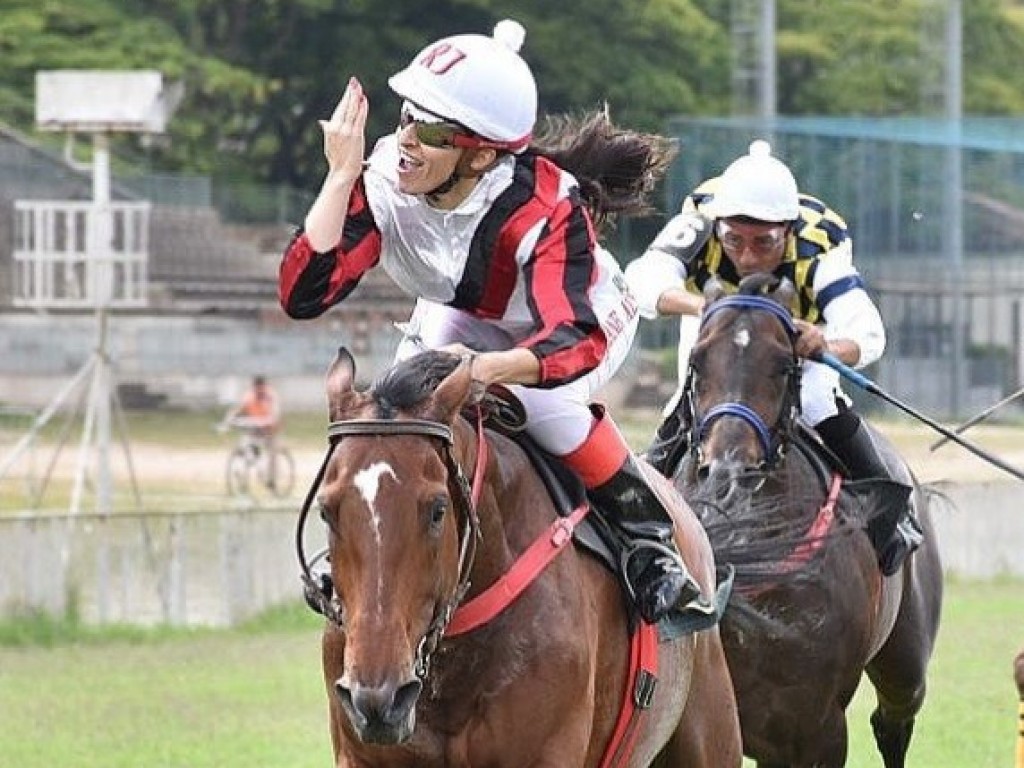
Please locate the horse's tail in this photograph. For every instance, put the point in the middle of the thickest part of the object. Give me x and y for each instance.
(617, 169)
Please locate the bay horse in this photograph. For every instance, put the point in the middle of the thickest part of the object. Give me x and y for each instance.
(801, 630)
(417, 672)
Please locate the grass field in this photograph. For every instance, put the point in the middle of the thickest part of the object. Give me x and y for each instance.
(252, 697)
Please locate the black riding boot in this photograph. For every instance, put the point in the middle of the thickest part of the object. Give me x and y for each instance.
(668, 445)
(847, 436)
(654, 570)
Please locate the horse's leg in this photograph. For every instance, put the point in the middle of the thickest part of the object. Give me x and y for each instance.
(708, 735)
(898, 670)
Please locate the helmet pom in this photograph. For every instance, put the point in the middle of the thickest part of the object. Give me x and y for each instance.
(509, 33)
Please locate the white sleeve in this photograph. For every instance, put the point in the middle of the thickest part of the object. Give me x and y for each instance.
(663, 265)
(849, 312)
(649, 276)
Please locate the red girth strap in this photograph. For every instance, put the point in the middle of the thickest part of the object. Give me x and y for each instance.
(638, 696)
(501, 593)
(643, 661)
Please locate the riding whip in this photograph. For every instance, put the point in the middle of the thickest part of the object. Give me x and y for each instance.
(868, 385)
(979, 417)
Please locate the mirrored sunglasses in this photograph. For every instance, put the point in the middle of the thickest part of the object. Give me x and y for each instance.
(440, 133)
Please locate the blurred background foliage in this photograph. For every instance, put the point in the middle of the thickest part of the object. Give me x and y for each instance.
(259, 73)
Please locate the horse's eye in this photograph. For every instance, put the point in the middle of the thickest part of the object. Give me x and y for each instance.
(438, 506)
(326, 516)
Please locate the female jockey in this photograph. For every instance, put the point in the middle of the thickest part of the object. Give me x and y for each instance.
(495, 236)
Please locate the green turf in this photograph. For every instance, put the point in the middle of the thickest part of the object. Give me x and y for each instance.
(253, 696)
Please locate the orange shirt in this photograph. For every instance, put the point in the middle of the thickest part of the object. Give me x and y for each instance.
(262, 407)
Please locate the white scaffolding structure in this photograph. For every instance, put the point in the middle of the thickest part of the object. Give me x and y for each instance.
(89, 255)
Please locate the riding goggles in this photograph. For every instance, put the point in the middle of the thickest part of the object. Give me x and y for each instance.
(434, 131)
(760, 244)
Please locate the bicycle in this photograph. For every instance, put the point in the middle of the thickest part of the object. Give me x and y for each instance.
(248, 464)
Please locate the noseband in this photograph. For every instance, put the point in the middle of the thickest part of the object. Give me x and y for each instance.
(772, 445)
(324, 600)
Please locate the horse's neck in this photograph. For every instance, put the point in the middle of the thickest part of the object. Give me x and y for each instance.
(513, 508)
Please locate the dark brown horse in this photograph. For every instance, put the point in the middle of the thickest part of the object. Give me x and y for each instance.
(539, 684)
(813, 610)
(1018, 677)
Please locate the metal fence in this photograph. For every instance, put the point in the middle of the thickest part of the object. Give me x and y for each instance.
(936, 209)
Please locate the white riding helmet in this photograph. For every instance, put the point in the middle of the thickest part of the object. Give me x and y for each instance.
(758, 186)
(480, 82)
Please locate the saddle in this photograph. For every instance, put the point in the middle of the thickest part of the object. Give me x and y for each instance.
(595, 534)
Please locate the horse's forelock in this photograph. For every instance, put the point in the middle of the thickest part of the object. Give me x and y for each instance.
(412, 381)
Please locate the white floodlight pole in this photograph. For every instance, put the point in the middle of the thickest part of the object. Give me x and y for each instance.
(100, 281)
(99, 102)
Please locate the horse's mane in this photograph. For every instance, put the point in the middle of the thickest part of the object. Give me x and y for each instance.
(617, 169)
(409, 382)
(759, 543)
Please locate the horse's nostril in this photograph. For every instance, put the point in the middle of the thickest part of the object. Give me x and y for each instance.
(385, 704)
(345, 699)
(703, 473)
(405, 699)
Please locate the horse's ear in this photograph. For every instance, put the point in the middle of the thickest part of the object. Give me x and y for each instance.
(340, 377)
(785, 294)
(451, 393)
(714, 289)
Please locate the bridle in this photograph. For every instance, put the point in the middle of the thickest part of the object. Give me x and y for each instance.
(325, 600)
(771, 438)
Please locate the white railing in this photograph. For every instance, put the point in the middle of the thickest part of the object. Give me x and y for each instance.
(217, 567)
(77, 254)
(184, 568)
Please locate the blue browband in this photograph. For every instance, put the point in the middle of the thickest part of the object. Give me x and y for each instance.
(743, 301)
(739, 410)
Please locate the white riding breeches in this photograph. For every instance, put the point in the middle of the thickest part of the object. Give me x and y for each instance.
(559, 419)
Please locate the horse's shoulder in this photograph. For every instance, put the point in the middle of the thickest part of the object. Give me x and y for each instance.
(813, 450)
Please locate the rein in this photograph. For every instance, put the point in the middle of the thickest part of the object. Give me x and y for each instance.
(456, 618)
(771, 448)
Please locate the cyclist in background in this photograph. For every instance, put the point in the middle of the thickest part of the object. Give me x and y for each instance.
(260, 412)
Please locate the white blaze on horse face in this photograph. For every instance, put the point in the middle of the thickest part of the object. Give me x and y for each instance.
(367, 481)
(742, 338)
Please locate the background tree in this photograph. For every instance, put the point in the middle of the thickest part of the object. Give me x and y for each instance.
(259, 73)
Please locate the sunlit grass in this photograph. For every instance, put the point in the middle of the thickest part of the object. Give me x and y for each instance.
(253, 695)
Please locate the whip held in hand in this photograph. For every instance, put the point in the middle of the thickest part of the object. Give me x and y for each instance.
(868, 385)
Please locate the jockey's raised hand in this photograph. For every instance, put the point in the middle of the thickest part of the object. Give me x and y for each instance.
(344, 133)
(344, 148)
